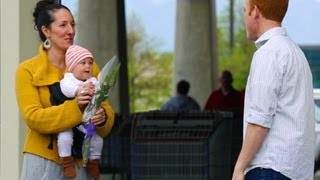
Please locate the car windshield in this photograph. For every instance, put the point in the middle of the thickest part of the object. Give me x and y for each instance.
(317, 110)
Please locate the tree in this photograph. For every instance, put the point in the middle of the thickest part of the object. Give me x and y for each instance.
(149, 71)
(238, 58)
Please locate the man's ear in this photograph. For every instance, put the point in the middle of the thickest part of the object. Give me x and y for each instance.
(256, 12)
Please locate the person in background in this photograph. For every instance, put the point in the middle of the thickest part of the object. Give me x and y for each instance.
(279, 127)
(79, 63)
(226, 98)
(181, 101)
(35, 78)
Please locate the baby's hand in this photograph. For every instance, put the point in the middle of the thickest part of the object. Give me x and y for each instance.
(89, 85)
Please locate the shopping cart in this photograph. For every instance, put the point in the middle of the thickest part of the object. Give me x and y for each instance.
(115, 158)
(172, 145)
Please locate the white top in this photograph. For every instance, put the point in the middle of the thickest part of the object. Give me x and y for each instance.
(70, 83)
(279, 96)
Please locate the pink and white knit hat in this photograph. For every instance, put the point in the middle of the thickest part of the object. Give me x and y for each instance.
(74, 55)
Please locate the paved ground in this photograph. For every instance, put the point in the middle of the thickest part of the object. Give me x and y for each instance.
(317, 175)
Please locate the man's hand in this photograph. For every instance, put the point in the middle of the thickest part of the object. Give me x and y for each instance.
(254, 137)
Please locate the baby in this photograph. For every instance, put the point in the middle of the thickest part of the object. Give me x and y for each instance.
(79, 63)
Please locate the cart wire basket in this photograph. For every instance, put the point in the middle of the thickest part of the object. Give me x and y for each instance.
(172, 145)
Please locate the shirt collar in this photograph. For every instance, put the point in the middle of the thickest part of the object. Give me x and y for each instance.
(269, 34)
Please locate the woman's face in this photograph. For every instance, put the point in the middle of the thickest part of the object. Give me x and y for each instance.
(62, 30)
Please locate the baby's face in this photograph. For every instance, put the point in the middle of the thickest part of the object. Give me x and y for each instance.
(83, 70)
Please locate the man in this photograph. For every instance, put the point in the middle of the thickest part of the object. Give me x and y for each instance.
(226, 98)
(181, 102)
(279, 110)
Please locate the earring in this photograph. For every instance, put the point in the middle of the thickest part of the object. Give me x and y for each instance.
(47, 44)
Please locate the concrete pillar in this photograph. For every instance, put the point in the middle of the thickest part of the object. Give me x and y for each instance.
(29, 44)
(9, 132)
(195, 47)
(18, 42)
(97, 31)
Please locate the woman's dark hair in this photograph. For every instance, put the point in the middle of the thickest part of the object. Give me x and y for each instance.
(43, 14)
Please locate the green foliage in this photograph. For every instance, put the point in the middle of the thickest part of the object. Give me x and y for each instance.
(150, 71)
(108, 82)
(237, 59)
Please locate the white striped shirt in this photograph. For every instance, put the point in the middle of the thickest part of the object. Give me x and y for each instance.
(279, 96)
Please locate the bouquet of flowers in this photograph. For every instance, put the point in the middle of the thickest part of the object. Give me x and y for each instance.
(107, 79)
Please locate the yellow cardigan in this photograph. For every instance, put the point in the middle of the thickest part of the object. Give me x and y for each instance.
(32, 79)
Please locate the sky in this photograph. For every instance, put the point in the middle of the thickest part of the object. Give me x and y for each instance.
(158, 17)
(302, 19)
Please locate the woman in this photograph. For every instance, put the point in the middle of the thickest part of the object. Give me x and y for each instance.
(34, 79)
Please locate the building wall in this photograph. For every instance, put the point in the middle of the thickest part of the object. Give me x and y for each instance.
(9, 130)
(10, 145)
(313, 55)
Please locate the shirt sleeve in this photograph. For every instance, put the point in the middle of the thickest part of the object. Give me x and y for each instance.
(169, 105)
(263, 89)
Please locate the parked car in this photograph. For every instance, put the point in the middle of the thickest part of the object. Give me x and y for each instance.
(316, 94)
